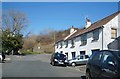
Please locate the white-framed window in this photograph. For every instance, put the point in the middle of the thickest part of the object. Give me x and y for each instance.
(82, 52)
(60, 44)
(95, 35)
(113, 33)
(66, 43)
(73, 55)
(83, 39)
(72, 43)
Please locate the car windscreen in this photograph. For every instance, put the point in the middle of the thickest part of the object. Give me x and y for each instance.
(86, 56)
(81, 57)
(59, 56)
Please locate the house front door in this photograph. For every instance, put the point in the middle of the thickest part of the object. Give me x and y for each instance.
(73, 55)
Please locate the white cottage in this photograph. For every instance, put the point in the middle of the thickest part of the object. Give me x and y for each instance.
(93, 37)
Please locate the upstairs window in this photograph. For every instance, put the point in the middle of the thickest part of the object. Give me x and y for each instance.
(95, 35)
(83, 39)
(72, 43)
(57, 45)
(82, 52)
(113, 33)
(61, 45)
(66, 43)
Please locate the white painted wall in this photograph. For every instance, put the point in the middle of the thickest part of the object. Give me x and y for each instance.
(92, 45)
(87, 48)
(107, 32)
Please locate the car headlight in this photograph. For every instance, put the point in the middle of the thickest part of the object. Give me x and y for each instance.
(55, 60)
(66, 61)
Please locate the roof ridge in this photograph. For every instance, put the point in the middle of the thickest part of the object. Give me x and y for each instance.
(95, 25)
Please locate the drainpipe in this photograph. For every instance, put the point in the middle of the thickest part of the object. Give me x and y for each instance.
(102, 37)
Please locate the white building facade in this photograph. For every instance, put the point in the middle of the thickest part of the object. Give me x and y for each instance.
(94, 37)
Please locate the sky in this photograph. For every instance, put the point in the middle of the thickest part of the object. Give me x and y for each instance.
(60, 0)
(45, 16)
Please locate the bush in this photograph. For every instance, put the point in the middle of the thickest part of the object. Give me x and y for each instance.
(29, 52)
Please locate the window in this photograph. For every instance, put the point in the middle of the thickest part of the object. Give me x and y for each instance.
(72, 43)
(73, 55)
(61, 51)
(66, 42)
(66, 55)
(57, 45)
(83, 40)
(96, 57)
(113, 33)
(86, 56)
(82, 57)
(82, 52)
(61, 45)
(109, 61)
(95, 35)
(118, 54)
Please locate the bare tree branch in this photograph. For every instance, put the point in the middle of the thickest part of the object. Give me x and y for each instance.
(15, 21)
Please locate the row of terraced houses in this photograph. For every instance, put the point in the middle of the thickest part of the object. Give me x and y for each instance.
(95, 36)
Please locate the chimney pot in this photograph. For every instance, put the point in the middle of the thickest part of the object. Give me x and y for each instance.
(88, 23)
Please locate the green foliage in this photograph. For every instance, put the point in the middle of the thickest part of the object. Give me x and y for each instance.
(11, 41)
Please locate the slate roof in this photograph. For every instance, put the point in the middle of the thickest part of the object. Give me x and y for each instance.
(94, 26)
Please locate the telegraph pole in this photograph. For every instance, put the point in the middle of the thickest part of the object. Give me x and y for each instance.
(54, 42)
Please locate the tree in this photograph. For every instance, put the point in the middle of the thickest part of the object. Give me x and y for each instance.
(30, 42)
(15, 21)
(13, 24)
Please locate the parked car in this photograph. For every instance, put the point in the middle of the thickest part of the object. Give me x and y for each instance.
(58, 59)
(103, 64)
(2, 56)
(79, 60)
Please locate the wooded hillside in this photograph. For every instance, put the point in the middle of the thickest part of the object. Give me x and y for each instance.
(44, 42)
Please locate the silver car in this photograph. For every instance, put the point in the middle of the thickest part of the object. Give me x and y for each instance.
(79, 60)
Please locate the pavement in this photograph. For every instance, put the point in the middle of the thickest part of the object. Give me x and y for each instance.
(38, 66)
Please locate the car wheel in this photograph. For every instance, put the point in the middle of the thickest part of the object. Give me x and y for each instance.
(53, 63)
(65, 65)
(0, 60)
(73, 64)
(88, 76)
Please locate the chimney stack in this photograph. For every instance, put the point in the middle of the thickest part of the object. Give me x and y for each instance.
(88, 23)
(72, 29)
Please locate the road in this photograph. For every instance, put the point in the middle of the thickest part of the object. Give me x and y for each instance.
(37, 66)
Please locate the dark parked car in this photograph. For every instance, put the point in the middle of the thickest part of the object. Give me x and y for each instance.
(58, 59)
(2, 56)
(103, 64)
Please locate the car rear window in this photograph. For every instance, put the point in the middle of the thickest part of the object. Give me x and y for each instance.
(119, 54)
